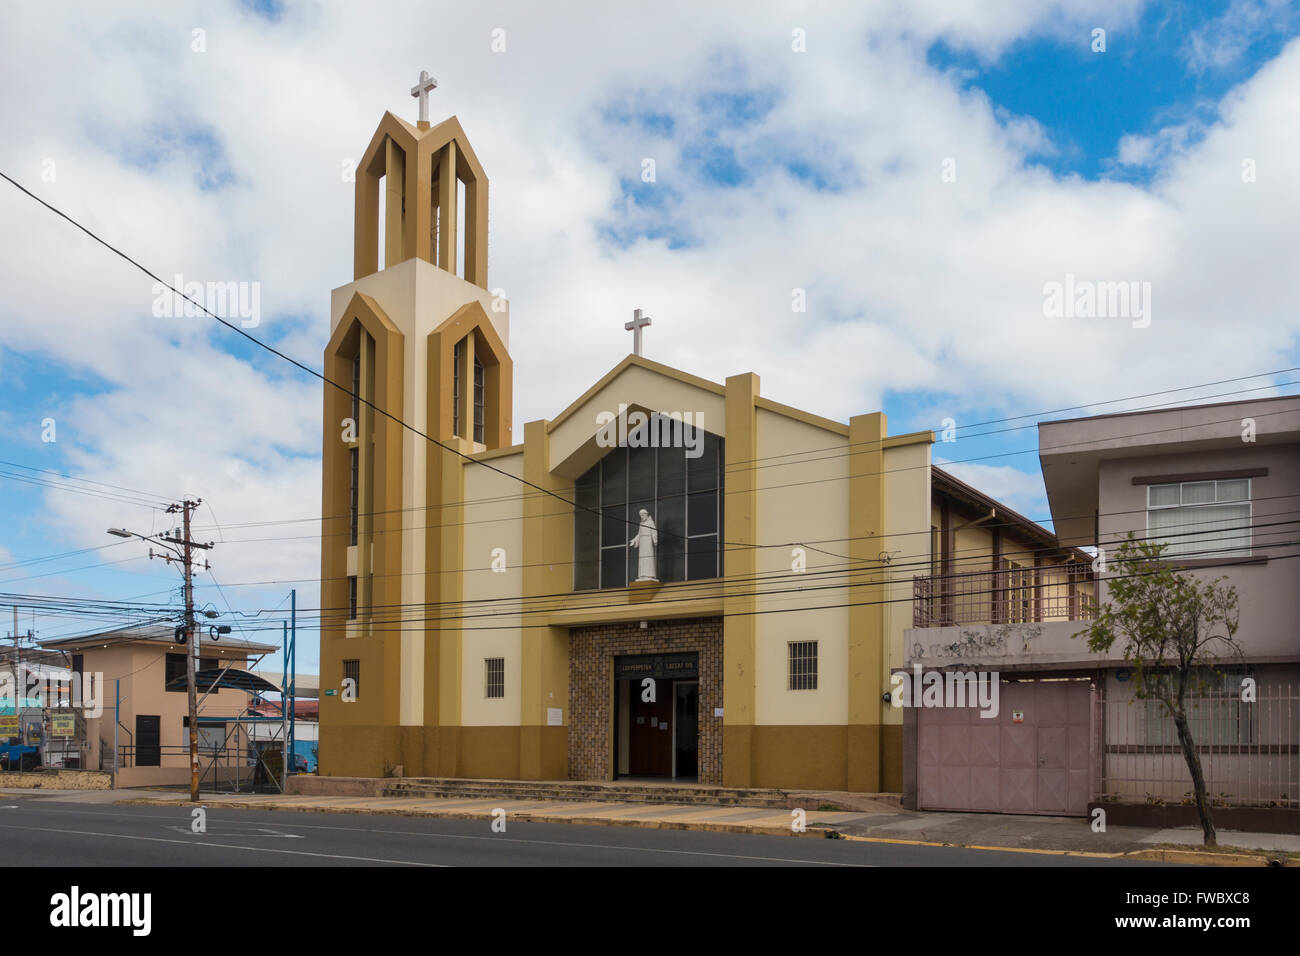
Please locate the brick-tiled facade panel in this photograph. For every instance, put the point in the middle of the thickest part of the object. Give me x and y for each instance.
(591, 687)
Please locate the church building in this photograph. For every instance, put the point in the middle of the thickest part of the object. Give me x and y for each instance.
(672, 577)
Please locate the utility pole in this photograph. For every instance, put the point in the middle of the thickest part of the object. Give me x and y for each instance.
(187, 633)
(187, 508)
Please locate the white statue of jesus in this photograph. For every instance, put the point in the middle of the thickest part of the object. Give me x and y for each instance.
(645, 542)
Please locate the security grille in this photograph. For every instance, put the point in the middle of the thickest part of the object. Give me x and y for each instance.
(803, 665)
(496, 676)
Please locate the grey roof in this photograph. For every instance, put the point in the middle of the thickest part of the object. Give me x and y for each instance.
(217, 678)
(155, 634)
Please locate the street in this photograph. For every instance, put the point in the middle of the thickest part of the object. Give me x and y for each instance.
(41, 832)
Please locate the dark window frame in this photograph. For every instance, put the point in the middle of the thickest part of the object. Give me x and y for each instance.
(615, 504)
(480, 390)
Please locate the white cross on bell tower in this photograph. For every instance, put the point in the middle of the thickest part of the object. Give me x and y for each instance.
(638, 323)
(421, 92)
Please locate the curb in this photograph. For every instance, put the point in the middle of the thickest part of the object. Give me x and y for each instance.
(814, 830)
(977, 846)
(1202, 858)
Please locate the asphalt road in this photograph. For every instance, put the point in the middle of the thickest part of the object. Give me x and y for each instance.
(42, 832)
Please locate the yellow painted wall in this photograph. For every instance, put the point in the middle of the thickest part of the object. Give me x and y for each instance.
(493, 518)
(907, 509)
(634, 386)
(784, 515)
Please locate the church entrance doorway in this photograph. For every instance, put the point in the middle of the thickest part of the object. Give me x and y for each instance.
(656, 715)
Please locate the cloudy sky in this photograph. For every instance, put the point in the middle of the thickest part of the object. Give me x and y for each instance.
(921, 171)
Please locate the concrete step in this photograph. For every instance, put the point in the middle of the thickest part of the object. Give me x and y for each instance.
(458, 789)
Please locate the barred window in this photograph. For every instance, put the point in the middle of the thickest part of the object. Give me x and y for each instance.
(352, 672)
(352, 597)
(495, 668)
(803, 665)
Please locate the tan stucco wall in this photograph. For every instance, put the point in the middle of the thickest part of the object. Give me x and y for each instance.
(634, 386)
(907, 542)
(493, 519)
(784, 516)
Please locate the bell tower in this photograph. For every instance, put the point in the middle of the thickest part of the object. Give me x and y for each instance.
(417, 338)
(428, 174)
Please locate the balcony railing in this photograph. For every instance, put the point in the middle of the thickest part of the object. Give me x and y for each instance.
(1057, 592)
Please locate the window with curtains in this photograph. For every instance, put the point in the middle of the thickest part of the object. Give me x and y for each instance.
(1200, 519)
(683, 494)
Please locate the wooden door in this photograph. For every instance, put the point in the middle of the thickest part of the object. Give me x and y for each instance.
(650, 733)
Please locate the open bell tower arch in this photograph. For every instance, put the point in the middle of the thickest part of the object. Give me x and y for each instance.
(428, 173)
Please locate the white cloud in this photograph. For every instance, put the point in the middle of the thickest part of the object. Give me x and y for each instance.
(912, 283)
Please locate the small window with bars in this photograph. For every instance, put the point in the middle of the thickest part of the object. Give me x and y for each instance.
(803, 665)
(352, 597)
(495, 670)
(352, 672)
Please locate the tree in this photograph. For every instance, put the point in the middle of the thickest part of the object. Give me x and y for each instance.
(1175, 628)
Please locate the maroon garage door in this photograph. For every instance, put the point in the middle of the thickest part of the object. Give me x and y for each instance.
(1032, 758)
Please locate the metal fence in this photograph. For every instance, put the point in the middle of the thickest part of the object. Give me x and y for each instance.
(1249, 750)
(1059, 592)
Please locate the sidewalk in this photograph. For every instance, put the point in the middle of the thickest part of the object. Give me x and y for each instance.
(1051, 834)
(661, 816)
(1032, 834)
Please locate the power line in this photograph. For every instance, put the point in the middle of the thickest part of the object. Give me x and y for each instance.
(315, 374)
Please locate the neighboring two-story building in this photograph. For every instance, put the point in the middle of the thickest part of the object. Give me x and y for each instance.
(1220, 485)
(137, 676)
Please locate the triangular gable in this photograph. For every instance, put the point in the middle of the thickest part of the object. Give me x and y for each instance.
(635, 384)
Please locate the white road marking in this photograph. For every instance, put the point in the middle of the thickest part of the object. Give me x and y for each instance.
(498, 838)
(221, 846)
(237, 830)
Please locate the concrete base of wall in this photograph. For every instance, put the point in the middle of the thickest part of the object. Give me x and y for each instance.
(1246, 819)
(59, 780)
(309, 785)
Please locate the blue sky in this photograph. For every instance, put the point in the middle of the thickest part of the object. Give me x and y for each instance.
(774, 171)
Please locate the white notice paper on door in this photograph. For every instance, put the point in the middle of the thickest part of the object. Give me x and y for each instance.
(554, 716)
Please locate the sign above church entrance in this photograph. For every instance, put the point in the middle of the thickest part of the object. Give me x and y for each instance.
(659, 666)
